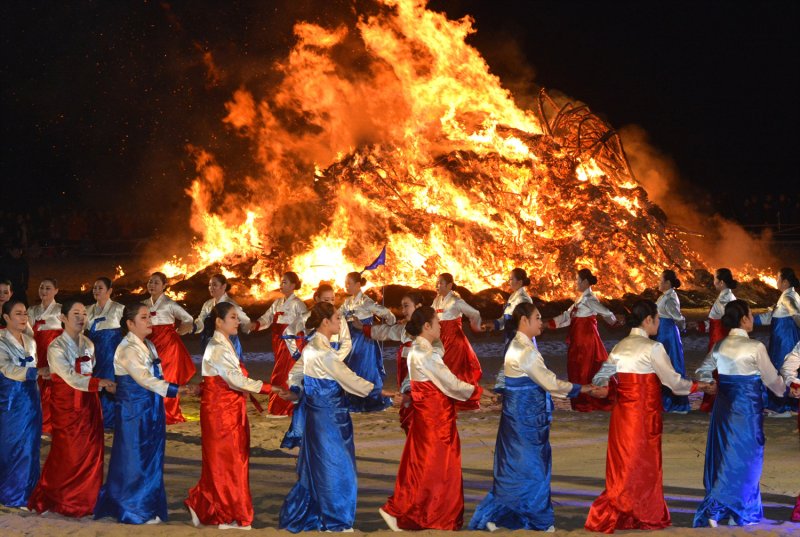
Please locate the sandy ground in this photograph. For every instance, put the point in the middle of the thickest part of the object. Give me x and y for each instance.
(578, 440)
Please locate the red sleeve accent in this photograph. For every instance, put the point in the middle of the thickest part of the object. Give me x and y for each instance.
(551, 324)
(476, 393)
(367, 329)
(94, 384)
(694, 386)
(265, 388)
(256, 326)
(701, 327)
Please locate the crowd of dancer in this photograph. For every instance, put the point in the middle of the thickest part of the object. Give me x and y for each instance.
(70, 372)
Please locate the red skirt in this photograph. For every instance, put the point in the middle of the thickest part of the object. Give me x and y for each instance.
(176, 364)
(716, 333)
(796, 513)
(280, 372)
(406, 412)
(634, 495)
(585, 357)
(222, 496)
(461, 360)
(429, 492)
(73, 471)
(43, 339)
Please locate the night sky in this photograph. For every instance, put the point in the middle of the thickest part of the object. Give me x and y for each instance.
(100, 99)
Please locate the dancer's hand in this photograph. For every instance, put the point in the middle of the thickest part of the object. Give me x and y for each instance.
(476, 327)
(497, 398)
(286, 395)
(185, 328)
(390, 395)
(357, 324)
(405, 400)
(599, 392)
(108, 385)
(707, 387)
(588, 388)
(487, 326)
(44, 372)
(188, 389)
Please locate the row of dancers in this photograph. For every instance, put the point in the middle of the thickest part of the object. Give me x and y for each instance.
(224, 358)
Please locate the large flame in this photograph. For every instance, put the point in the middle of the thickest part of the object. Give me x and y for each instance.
(394, 132)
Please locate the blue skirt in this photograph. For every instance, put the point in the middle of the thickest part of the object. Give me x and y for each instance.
(366, 361)
(783, 336)
(294, 435)
(20, 440)
(520, 495)
(669, 336)
(324, 497)
(734, 453)
(134, 491)
(105, 344)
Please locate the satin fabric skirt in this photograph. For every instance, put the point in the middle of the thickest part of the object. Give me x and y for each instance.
(783, 336)
(280, 371)
(406, 412)
(520, 495)
(366, 361)
(429, 491)
(634, 496)
(670, 336)
(222, 496)
(734, 453)
(324, 497)
(73, 472)
(716, 333)
(20, 440)
(796, 512)
(585, 357)
(134, 491)
(43, 339)
(461, 360)
(176, 363)
(105, 344)
(294, 435)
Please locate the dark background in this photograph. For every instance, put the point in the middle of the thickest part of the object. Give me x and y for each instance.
(100, 99)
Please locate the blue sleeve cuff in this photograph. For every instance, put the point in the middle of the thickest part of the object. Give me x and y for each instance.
(497, 325)
(172, 391)
(757, 320)
(573, 393)
(295, 390)
(296, 355)
(31, 373)
(375, 393)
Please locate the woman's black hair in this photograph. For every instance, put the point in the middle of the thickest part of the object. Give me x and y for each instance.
(320, 312)
(8, 306)
(421, 315)
(221, 279)
(641, 310)
(724, 275)
(356, 277)
(106, 281)
(8, 283)
(447, 277)
(294, 279)
(51, 280)
(787, 273)
(414, 297)
(735, 311)
(520, 275)
(161, 276)
(323, 288)
(219, 311)
(129, 313)
(67, 305)
(586, 274)
(669, 276)
(525, 309)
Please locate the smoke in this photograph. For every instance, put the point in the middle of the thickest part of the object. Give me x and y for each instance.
(720, 241)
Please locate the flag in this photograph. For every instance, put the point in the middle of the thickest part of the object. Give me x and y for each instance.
(380, 260)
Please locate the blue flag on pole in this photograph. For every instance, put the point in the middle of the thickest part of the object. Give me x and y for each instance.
(380, 260)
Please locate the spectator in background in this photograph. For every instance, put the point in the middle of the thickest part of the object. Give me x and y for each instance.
(14, 268)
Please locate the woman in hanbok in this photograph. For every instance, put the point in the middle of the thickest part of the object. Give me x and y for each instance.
(790, 371)
(518, 281)
(324, 497)
(218, 289)
(634, 497)
(175, 359)
(365, 358)
(222, 496)
(585, 352)
(784, 320)
(44, 324)
(735, 445)
(724, 283)
(21, 415)
(5, 295)
(73, 472)
(281, 314)
(105, 332)
(134, 491)
(520, 495)
(459, 357)
(671, 323)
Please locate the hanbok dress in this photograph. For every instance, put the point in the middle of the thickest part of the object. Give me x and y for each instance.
(783, 320)
(324, 497)
(716, 332)
(459, 357)
(520, 296)
(106, 334)
(134, 490)
(73, 472)
(365, 358)
(281, 314)
(199, 323)
(45, 326)
(634, 494)
(429, 491)
(176, 362)
(397, 332)
(520, 495)
(735, 445)
(790, 374)
(585, 352)
(20, 419)
(222, 496)
(671, 323)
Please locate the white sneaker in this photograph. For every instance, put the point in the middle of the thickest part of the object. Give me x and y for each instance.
(679, 412)
(23, 508)
(491, 526)
(155, 520)
(234, 526)
(389, 519)
(551, 529)
(712, 523)
(732, 522)
(195, 519)
(773, 414)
